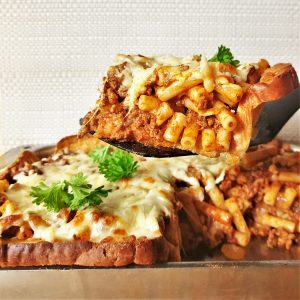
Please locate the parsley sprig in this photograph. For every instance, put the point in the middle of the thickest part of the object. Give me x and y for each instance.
(99, 154)
(75, 193)
(224, 55)
(113, 164)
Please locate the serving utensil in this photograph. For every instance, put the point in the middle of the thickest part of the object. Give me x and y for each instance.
(274, 116)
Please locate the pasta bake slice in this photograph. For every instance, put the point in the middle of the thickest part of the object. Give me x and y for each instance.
(191, 103)
(259, 197)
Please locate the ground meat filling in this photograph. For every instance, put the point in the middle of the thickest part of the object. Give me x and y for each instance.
(116, 122)
(250, 186)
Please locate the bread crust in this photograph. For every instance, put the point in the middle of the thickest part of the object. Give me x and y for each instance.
(107, 253)
(275, 83)
(73, 143)
(110, 252)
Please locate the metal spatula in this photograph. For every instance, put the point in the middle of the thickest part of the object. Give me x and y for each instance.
(272, 118)
(147, 151)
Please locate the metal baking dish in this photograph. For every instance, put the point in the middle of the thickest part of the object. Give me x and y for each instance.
(263, 273)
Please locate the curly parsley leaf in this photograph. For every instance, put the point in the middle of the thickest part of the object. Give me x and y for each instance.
(224, 55)
(114, 165)
(99, 154)
(75, 193)
(83, 194)
(119, 164)
(53, 197)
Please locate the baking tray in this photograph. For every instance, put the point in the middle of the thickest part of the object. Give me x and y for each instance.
(264, 273)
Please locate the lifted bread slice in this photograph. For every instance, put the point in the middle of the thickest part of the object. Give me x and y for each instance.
(186, 103)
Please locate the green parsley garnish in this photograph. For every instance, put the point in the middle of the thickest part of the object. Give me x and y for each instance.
(113, 164)
(99, 154)
(224, 55)
(75, 193)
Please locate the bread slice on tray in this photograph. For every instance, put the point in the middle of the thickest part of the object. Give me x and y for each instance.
(136, 223)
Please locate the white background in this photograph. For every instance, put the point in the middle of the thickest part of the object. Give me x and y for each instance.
(53, 53)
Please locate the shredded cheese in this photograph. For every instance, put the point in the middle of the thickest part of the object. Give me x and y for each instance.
(134, 207)
(140, 68)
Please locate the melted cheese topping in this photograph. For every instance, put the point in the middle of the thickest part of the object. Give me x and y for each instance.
(134, 207)
(139, 69)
